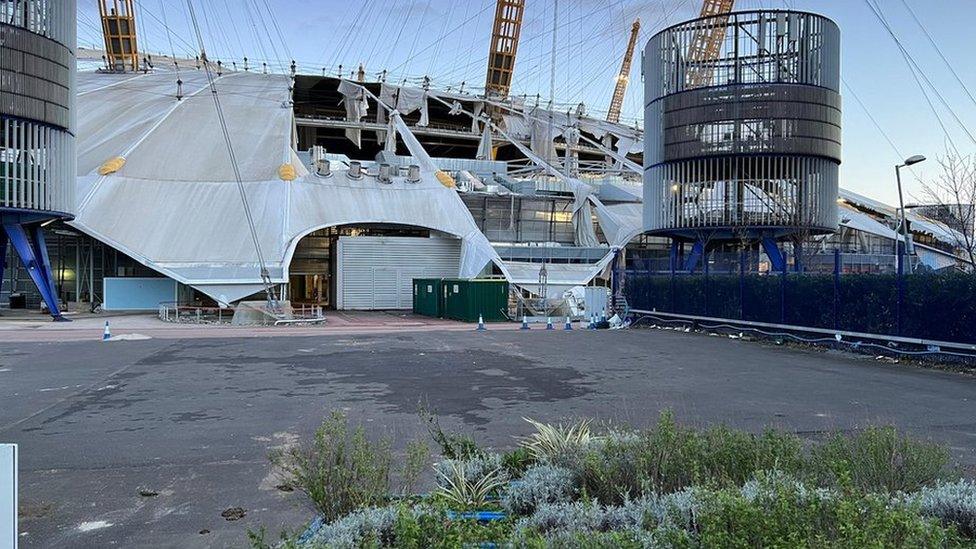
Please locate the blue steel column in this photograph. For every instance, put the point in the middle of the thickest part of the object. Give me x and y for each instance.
(36, 266)
(3, 254)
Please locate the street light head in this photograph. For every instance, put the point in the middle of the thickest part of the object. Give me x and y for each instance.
(914, 159)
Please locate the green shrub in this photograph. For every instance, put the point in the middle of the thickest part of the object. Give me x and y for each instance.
(541, 484)
(338, 470)
(453, 445)
(878, 459)
(517, 461)
(466, 485)
(433, 530)
(785, 516)
(954, 503)
(669, 457)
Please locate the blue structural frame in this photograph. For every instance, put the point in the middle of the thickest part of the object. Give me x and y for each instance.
(25, 233)
(775, 255)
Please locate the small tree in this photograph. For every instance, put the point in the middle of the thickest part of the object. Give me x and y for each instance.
(953, 194)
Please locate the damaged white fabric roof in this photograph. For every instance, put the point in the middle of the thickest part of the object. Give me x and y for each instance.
(174, 204)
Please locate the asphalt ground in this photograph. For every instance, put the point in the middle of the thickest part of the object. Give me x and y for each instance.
(103, 426)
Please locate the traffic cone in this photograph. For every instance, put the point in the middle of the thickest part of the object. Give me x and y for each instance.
(481, 324)
(525, 322)
(549, 323)
(569, 324)
(592, 325)
(107, 334)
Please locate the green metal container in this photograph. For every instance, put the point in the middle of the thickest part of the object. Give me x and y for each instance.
(467, 299)
(428, 298)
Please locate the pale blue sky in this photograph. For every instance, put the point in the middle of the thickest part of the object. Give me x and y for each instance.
(448, 40)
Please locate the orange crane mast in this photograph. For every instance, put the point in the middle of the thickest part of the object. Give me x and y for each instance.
(706, 43)
(504, 46)
(119, 31)
(617, 102)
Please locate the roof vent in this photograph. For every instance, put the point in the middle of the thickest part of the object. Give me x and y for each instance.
(323, 167)
(355, 170)
(413, 173)
(384, 174)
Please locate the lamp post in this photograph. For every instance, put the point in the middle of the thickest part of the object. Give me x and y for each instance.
(901, 201)
(904, 231)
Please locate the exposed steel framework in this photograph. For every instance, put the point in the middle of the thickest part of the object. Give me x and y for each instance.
(119, 31)
(504, 46)
(617, 102)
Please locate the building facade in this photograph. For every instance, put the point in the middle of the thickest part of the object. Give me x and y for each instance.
(743, 141)
(37, 153)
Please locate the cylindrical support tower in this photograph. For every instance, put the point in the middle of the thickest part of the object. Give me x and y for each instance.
(743, 142)
(37, 144)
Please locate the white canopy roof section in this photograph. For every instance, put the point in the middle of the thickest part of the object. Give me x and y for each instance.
(174, 205)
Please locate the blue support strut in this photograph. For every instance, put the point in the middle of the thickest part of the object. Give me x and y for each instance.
(34, 257)
(3, 253)
(697, 251)
(775, 256)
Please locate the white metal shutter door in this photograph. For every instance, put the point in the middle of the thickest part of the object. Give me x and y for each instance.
(376, 272)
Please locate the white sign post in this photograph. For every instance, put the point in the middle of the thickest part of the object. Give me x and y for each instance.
(8, 495)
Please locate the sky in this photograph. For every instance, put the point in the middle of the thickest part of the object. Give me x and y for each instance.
(886, 116)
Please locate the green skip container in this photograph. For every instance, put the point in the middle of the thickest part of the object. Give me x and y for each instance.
(467, 299)
(428, 299)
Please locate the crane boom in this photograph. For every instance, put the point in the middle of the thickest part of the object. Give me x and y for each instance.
(617, 102)
(706, 43)
(504, 46)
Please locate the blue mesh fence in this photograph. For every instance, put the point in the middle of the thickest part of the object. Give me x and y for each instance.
(938, 306)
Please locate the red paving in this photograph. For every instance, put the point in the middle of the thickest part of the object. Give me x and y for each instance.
(22, 327)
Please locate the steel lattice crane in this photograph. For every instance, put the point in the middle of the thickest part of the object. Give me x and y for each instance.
(617, 102)
(504, 46)
(706, 43)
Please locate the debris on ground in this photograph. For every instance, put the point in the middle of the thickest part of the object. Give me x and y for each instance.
(234, 513)
(147, 493)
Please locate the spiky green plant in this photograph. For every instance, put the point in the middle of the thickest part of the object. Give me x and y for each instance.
(455, 488)
(554, 440)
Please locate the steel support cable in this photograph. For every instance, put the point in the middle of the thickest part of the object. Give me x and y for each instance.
(396, 42)
(416, 37)
(876, 10)
(341, 43)
(274, 23)
(350, 41)
(233, 26)
(437, 50)
(267, 33)
(254, 27)
(265, 275)
(169, 38)
(941, 54)
(432, 44)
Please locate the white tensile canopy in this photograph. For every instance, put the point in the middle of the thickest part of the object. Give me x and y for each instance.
(174, 204)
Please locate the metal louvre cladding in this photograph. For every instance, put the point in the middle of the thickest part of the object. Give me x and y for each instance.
(747, 139)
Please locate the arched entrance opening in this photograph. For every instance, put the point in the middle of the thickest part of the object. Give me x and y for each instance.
(368, 266)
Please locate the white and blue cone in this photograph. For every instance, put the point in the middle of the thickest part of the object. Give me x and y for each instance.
(569, 324)
(107, 334)
(549, 323)
(481, 324)
(525, 323)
